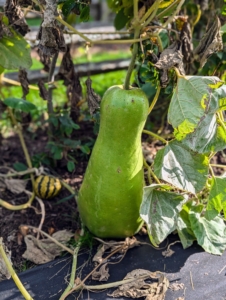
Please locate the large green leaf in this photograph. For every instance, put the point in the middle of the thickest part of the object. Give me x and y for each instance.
(209, 135)
(20, 104)
(159, 209)
(210, 234)
(192, 100)
(181, 167)
(217, 198)
(14, 52)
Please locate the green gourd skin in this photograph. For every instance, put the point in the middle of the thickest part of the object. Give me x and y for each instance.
(111, 193)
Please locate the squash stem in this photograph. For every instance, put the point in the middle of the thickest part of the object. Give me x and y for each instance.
(155, 99)
(17, 281)
(74, 265)
(9, 206)
(133, 59)
(22, 141)
(156, 136)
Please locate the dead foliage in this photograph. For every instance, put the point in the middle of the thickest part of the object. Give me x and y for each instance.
(72, 82)
(210, 43)
(15, 16)
(43, 91)
(92, 98)
(169, 58)
(22, 76)
(142, 287)
(45, 250)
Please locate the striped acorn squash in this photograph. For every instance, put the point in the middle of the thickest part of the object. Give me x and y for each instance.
(47, 187)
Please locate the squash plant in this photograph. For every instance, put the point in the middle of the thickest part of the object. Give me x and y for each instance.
(183, 192)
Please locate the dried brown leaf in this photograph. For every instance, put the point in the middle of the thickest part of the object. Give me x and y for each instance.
(210, 43)
(140, 288)
(45, 60)
(168, 253)
(51, 40)
(186, 42)
(22, 76)
(71, 80)
(16, 186)
(15, 16)
(4, 273)
(112, 246)
(102, 274)
(92, 98)
(43, 91)
(45, 250)
(176, 286)
(170, 57)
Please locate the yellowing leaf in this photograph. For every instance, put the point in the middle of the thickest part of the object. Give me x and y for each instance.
(183, 129)
(166, 3)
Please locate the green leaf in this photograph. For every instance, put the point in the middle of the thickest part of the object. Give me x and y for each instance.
(120, 20)
(57, 152)
(18, 166)
(70, 166)
(208, 136)
(54, 121)
(220, 94)
(71, 143)
(15, 52)
(210, 234)
(181, 167)
(18, 103)
(217, 198)
(159, 209)
(84, 16)
(184, 230)
(192, 99)
(85, 149)
(67, 7)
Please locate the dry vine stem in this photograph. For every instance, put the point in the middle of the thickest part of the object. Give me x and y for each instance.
(17, 281)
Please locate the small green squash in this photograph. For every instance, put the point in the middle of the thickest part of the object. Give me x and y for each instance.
(111, 192)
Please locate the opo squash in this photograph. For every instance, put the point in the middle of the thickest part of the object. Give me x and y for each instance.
(111, 192)
(47, 187)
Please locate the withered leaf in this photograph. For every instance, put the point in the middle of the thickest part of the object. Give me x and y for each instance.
(140, 288)
(113, 245)
(51, 40)
(210, 43)
(45, 250)
(15, 16)
(16, 186)
(22, 76)
(43, 91)
(45, 60)
(186, 42)
(168, 253)
(67, 71)
(92, 98)
(170, 57)
(102, 274)
(71, 80)
(176, 286)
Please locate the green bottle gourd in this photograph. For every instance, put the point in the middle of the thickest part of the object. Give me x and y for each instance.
(111, 193)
